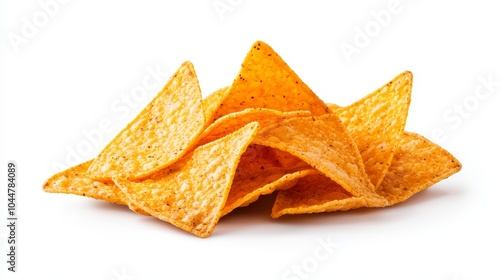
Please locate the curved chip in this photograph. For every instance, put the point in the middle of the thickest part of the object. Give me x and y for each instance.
(75, 180)
(261, 171)
(323, 143)
(417, 164)
(191, 193)
(376, 123)
(161, 134)
(212, 102)
(245, 192)
(236, 120)
(317, 193)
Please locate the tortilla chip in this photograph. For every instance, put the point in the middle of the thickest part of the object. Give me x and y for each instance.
(260, 172)
(314, 194)
(191, 193)
(235, 121)
(266, 81)
(418, 164)
(248, 190)
(74, 180)
(212, 102)
(323, 143)
(131, 205)
(161, 134)
(376, 123)
(333, 107)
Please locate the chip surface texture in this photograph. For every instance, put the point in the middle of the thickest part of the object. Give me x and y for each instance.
(161, 134)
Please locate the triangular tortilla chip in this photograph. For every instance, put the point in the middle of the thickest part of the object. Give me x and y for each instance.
(192, 192)
(75, 180)
(266, 81)
(418, 164)
(261, 171)
(323, 143)
(161, 134)
(234, 121)
(211, 104)
(317, 193)
(376, 123)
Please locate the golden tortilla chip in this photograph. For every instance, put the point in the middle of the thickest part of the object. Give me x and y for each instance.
(417, 164)
(132, 206)
(161, 134)
(212, 102)
(243, 192)
(261, 172)
(376, 123)
(191, 193)
(266, 81)
(75, 180)
(333, 107)
(317, 193)
(323, 143)
(236, 120)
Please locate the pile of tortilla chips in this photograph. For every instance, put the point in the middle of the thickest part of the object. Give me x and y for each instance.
(189, 161)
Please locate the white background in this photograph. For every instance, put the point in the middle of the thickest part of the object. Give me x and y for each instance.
(79, 62)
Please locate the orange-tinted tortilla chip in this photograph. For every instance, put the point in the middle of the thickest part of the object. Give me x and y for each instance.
(161, 134)
(333, 107)
(323, 143)
(192, 192)
(317, 193)
(261, 171)
(417, 164)
(376, 123)
(266, 81)
(75, 180)
(212, 102)
(236, 120)
(248, 190)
